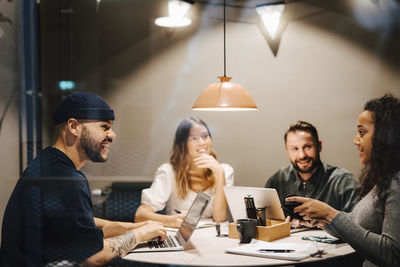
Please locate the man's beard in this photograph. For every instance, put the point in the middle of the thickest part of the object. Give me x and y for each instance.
(92, 149)
(315, 164)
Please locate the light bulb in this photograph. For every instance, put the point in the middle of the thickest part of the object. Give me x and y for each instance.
(176, 10)
(271, 16)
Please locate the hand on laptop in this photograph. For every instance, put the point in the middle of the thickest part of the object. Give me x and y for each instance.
(175, 220)
(150, 230)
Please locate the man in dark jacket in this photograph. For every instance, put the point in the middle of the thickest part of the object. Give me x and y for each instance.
(48, 219)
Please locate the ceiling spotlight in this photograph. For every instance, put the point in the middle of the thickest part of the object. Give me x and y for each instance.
(271, 15)
(176, 11)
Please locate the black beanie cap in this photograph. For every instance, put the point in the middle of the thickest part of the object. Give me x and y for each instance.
(83, 105)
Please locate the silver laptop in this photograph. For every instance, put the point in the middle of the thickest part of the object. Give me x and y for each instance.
(263, 197)
(177, 240)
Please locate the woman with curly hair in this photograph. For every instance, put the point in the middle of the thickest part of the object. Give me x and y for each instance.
(193, 167)
(372, 228)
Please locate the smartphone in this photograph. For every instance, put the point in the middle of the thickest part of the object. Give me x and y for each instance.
(250, 207)
(288, 208)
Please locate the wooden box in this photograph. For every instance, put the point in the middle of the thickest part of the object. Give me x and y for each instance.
(274, 230)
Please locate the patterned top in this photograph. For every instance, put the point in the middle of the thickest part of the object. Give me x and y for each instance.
(49, 217)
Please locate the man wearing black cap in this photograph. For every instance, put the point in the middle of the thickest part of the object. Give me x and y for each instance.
(48, 220)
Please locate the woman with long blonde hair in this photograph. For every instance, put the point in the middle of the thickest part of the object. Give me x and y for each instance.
(193, 167)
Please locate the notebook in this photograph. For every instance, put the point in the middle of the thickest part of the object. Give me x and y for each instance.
(178, 240)
(258, 248)
(263, 197)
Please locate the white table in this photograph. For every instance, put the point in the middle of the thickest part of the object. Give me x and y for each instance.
(205, 249)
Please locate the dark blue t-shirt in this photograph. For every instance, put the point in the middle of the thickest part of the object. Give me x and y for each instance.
(49, 217)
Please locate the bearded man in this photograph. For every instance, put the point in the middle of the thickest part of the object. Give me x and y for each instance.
(307, 176)
(48, 220)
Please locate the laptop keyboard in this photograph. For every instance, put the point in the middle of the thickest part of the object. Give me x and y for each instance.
(169, 242)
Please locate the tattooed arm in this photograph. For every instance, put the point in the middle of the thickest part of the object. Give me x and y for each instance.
(119, 246)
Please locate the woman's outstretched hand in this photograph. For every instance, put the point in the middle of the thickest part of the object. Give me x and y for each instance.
(314, 211)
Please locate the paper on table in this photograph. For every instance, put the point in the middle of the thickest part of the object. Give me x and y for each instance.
(205, 223)
(202, 224)
(301, 250)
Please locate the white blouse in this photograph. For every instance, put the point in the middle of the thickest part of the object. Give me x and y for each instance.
(164, 191)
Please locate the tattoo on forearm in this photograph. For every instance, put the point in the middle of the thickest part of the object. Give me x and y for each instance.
(122, 244)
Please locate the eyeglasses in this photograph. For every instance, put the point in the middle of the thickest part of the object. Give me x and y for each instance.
(196, 138)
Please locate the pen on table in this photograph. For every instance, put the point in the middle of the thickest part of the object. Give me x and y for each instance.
(178, 211)
(276, 250)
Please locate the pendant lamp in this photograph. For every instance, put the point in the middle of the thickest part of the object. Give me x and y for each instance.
(224, 95)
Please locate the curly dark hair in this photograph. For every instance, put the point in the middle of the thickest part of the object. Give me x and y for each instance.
(385, 154)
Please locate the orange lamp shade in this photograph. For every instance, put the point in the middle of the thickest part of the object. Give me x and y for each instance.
(224, 96)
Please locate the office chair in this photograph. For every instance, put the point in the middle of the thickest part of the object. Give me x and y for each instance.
(123, 200)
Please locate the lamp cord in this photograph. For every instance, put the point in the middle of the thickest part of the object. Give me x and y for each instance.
(224, 40)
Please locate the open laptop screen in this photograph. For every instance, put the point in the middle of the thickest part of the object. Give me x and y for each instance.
(263, 197)
(193, 216)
